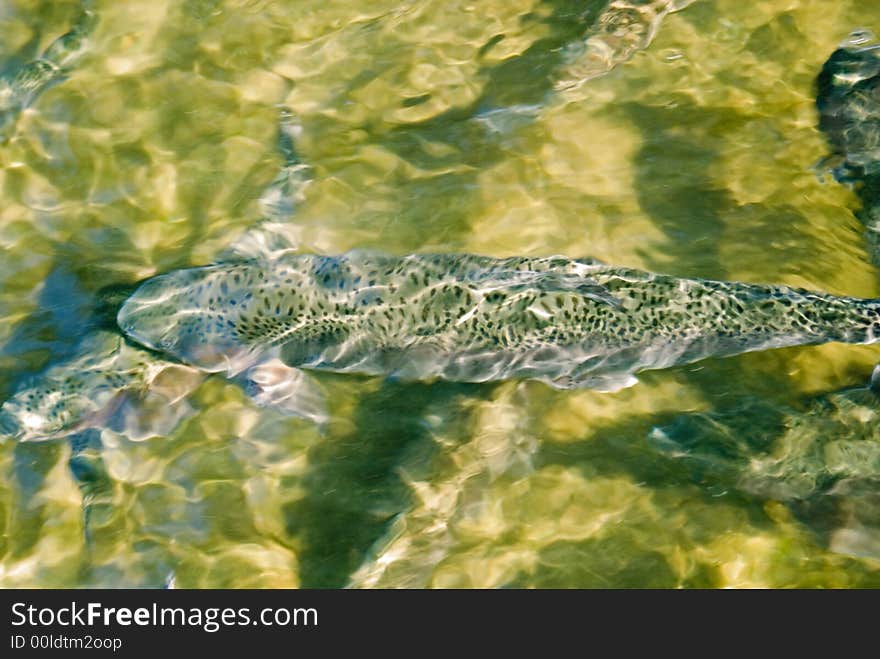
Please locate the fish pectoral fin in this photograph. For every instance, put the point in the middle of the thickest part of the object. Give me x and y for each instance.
(310, 345)
(582, 286)
(160, 408)
(289, 390)
(175, 381)
(152, 414)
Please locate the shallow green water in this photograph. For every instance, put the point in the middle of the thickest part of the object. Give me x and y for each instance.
(694, 158)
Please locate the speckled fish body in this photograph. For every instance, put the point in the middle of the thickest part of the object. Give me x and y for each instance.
(19, 90)
(567, 322)
(92, 387)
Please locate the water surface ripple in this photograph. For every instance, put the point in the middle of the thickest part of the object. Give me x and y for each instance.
(445, 126)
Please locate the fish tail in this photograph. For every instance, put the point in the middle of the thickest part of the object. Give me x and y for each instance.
(864, 327)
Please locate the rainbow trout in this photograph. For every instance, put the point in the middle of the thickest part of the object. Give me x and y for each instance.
(108, 383)
(567, 322)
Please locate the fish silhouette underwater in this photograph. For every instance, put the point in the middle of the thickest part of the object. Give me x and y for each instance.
(570, 323)
(567, 322)
(267, 314)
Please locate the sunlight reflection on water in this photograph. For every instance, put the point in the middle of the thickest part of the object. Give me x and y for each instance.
(694, 158)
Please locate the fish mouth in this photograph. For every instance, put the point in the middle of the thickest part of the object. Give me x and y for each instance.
(130, 329)
(145, 319)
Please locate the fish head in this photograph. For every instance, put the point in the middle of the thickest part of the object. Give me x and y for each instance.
(42, 411)
(74, 394)
(188, 315)
(108, 383)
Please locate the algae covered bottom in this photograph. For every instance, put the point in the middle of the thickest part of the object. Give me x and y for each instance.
(440, 127)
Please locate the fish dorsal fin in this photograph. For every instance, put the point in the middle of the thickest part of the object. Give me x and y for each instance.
(288, 390)
(575, 278)
(549, 282)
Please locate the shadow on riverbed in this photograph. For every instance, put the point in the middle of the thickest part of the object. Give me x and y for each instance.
(354, 488)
